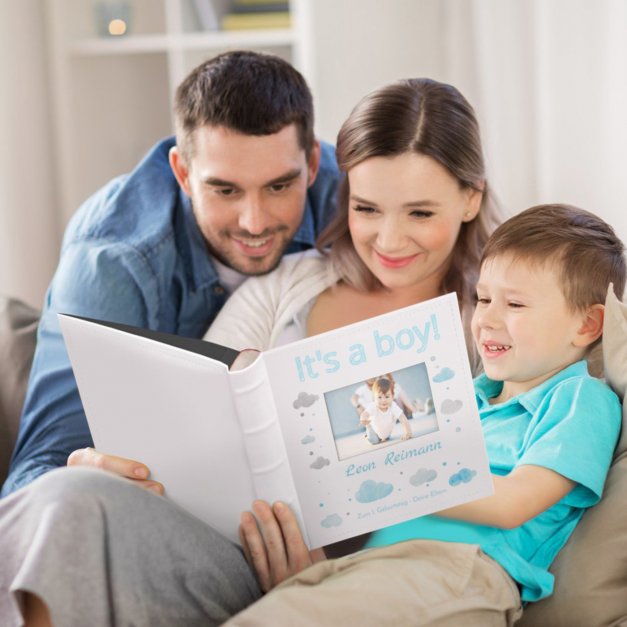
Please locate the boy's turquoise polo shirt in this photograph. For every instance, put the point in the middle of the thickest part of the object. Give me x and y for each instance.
(569, 424)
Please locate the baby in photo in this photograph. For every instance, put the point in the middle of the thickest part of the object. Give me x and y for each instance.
(380, 416)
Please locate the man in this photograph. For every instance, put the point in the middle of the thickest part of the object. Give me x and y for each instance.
(162, 247)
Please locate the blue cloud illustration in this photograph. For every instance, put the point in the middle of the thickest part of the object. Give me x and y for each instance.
(308, 439)
(465, 475)
(372, 491)
(444, 375)
(423, 475)
(321, 462)
(305, 400)
(450, 406)
(332, 520)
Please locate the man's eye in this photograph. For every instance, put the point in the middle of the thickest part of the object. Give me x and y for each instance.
(279, 187)
(225, 191)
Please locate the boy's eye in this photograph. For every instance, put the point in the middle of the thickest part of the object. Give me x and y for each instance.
(482, 300)
(515, 305)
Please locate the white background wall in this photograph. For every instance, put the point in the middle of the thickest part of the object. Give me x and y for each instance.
(548, 79)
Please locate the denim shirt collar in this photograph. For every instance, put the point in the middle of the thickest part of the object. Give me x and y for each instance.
(487, 388)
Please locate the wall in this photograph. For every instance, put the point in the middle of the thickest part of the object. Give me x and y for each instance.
(29, 232)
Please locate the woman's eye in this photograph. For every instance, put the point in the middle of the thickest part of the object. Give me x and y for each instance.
(421, 214)
(364, 209)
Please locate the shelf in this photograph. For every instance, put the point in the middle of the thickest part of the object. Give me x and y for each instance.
(137, 44)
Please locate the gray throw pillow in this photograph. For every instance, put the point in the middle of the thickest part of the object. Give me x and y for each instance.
(18, 329)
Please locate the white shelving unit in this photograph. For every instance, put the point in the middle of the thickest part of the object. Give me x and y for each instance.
(113, 95)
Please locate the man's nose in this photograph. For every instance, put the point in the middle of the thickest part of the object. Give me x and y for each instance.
(253, 218)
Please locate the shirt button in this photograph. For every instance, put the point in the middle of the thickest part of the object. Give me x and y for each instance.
(218, 289)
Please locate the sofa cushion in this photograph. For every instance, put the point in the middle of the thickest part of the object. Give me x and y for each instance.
(591, 570)
(18, 329)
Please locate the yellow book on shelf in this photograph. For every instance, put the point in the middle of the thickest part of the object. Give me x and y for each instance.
(242, 21)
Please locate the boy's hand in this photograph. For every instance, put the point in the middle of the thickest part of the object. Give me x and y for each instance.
(128, 468)
(273, 543)
(406, 436)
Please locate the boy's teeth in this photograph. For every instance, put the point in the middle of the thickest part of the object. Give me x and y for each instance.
(496, 349)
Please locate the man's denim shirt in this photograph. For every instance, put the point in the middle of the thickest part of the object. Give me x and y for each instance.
(133, 253)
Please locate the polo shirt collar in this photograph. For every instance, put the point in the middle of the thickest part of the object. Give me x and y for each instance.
(487, 388)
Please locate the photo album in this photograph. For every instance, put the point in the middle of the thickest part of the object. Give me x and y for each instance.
(356, 429)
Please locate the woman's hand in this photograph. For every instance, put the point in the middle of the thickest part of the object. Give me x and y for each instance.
(121, 466)
(273, 543)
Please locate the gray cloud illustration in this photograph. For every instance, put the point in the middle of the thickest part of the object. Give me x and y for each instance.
(450, 406)
(423, 475)
(444, 375)
(308, 439)
(332, 520)
(305, 400)
(321, 462)
(372, 491)
(465, 475)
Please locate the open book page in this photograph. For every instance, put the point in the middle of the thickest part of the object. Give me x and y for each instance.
(350, 483)
(169, 408)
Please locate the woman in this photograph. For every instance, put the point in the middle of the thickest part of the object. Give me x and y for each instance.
(414, 213)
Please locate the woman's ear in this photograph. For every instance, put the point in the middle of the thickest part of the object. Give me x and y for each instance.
(179, 168)
(473, 202)
(592, 326)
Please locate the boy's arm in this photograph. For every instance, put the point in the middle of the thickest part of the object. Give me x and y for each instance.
(523, 494)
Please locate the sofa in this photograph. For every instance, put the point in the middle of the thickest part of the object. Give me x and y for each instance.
(590, 571)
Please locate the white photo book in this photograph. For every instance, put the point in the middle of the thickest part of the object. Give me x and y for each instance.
(219, 431)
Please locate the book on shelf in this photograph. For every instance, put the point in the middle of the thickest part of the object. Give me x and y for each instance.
(263, 20)
(260, 7)
(221, 428)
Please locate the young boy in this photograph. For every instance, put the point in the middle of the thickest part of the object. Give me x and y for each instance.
(380, 415)
(550, 431)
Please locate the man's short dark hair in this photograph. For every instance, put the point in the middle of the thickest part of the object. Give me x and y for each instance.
(247, 92)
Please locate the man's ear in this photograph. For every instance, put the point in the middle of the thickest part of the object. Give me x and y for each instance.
(313, 163)
(179, 168)
(592, 326)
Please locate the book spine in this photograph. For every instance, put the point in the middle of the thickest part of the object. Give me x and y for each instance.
(263, 440)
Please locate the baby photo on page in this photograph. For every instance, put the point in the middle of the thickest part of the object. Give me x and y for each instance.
(385, 409)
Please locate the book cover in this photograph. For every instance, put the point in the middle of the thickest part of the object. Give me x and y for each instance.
(219, 431)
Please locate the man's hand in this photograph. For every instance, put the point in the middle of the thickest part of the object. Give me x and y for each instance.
(273, 543)
(121, 466)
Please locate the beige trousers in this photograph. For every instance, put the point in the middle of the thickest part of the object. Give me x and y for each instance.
(419, 582)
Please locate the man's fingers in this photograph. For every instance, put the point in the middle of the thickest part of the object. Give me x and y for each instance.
(273, 538)
(121, 466)
(298, 556)
(255, 549)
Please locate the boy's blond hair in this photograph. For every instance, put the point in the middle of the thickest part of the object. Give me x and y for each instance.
(583, 249)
